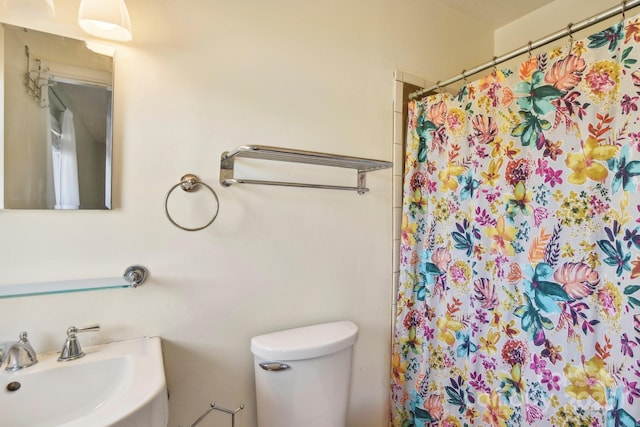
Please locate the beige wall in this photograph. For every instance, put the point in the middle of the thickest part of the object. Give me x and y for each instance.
(549, 19)
(202, 77)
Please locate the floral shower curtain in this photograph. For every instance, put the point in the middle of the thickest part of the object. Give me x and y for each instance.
(519, 294)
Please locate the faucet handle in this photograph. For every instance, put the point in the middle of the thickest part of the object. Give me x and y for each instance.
(25, 341)
(72, 331)
(71, 348)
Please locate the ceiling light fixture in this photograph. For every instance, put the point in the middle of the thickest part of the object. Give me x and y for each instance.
(32, 8)
(102, 49)
(108, 19)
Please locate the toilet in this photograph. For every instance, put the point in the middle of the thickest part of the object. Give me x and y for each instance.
(302, 375)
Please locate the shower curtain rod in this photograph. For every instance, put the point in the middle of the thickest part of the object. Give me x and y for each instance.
(571, 28)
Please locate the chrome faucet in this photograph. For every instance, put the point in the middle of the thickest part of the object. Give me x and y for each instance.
(17, 354)
(71, 349)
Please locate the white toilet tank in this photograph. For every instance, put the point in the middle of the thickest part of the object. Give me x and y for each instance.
(303, 375)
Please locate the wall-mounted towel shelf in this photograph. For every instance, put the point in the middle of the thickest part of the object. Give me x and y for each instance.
(133, 276)
(361, 165)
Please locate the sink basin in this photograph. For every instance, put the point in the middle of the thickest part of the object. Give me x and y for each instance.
(120, 384)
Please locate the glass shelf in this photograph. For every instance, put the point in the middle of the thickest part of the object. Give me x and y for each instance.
(133, 276)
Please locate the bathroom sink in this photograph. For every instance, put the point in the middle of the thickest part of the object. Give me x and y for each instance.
(120, 384)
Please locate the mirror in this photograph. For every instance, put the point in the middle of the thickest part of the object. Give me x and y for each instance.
(57, 122)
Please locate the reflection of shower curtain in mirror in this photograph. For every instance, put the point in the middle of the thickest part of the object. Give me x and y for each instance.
(65, 163)
(519, 295)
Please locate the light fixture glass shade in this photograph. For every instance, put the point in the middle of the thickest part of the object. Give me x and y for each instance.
(32, 8)
(101, 49)
(108, 19)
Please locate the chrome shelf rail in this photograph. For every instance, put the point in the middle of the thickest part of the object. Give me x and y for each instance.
(361, 165)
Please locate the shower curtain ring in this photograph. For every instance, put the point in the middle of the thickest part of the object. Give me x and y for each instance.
(495, 65)
(624, 9)
(464, 77)
(530, 48)
(438, 87)
(570, 31)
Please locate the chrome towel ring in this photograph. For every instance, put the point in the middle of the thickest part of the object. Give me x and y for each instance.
(190, 183)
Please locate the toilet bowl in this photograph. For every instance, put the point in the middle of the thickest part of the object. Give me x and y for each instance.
(302, 375)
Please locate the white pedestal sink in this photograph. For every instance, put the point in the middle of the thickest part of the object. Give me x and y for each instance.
(120, 384)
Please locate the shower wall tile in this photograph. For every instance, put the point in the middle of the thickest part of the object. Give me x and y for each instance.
(398, 128)
(396, 282)
(397, 222)
(398, 97)
(397, 191)
(398, 159)
(396, 255)
(400, 94)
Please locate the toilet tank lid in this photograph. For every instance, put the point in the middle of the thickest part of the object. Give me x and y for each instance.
(306, 342)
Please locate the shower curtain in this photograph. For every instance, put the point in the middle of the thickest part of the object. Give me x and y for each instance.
(65, 164)
(519, 294)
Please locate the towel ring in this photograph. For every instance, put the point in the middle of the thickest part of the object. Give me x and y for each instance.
(190, 183)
